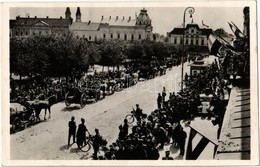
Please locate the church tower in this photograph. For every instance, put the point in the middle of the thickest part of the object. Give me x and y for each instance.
(78, 15)
(143, 18)
(67, 13)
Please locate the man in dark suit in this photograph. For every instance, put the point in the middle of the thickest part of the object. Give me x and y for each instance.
(72, 129)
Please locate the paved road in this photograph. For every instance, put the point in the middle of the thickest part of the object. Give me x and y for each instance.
(48, 140)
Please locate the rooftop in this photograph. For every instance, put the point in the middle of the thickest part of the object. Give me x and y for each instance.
(89, 26)
(119, 21)
(29, 21)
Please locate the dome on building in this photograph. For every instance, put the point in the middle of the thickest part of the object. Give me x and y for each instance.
(143, 18)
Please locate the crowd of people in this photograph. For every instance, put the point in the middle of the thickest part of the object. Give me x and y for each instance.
(163, 125)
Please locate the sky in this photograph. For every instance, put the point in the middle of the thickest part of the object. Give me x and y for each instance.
(164, 19)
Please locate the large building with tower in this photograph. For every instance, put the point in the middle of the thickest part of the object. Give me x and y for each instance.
(194, 35)
(108, 28)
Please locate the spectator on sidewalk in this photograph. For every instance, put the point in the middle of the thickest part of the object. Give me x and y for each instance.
(163, 94)
(81, 134)
(72, 130)
(159, 101)
(181, 141)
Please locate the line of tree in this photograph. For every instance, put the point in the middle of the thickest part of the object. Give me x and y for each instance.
(59, 55)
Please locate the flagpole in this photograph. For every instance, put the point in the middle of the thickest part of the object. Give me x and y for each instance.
(191, 11)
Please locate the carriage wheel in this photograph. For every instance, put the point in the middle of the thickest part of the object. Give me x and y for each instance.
(16, 125)
(81, 84)
(83, 100)
(67, 103)
(130, 118)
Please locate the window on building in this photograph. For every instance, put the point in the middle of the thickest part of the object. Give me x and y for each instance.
(89, 38)
(140, 36)
(191, 42)
(40, 32)
(187, 41)
(111, 36)
(118, 36)
(104, 36)
(16, 33)
(175, 41)
(192, 30)
(125, 37)
(33, 32)
(21, 33)
(132, 37)
(202, 42)
(197, 42)
(26, 33)
(181, 41)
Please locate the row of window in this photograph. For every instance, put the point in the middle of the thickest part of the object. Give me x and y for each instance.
(125, 36)
(192, 32)
(191, 42)
(26, 33)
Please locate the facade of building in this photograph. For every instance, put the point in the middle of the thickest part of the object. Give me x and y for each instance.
(124, 28)
(29, 26)
(194, 35)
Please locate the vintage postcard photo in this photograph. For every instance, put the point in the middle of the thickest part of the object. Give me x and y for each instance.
(126, 84)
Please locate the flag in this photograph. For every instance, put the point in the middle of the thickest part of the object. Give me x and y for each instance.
(236, 30)
(196, 144)
(214, 45)
(224, 42)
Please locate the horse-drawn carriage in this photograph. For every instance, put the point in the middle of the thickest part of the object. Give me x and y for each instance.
(20, 117)
(76, 96)
(84, 91)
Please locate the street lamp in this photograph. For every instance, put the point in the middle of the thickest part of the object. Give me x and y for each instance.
(191, 11)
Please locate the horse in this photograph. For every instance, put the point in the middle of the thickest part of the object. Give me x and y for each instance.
(40, 103)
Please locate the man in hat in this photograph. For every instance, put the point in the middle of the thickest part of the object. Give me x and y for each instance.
(163, 94)
(72, 129)
(167, 155)
(159, 101)
(181, 140)
(97, 142)
(125, 128)
(138, 112)
(81, 134)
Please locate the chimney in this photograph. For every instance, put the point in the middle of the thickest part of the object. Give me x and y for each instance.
(202, 22)
(109, 17)
(129, 18)
(89, 22)
(102, 18)
(123, 18)
(60, 17)
(116, 18)
(35, 17)
(28, 16)
(47, 17)
(17, 17)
